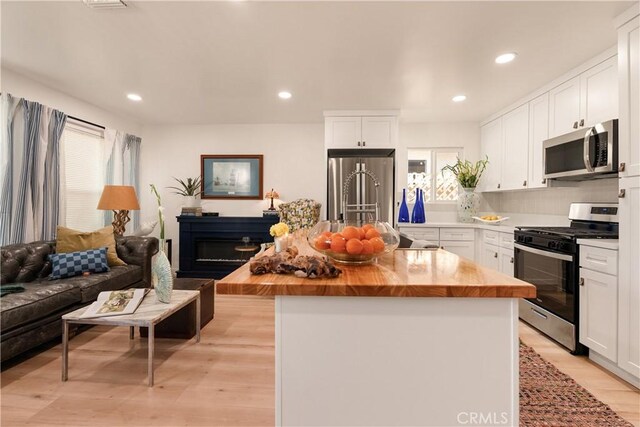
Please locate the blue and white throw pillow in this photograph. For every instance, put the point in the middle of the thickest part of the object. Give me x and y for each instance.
(75, 263)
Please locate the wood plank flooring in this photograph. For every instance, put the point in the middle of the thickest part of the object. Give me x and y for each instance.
(225, 380)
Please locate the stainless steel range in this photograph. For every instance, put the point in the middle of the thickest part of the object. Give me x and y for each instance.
(548, 257)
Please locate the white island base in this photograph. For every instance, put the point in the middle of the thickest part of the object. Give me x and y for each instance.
(373, 361)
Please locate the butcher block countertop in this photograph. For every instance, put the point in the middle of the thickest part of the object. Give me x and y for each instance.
(402, 273)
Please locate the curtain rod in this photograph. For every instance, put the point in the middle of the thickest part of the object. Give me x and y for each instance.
(86, 122)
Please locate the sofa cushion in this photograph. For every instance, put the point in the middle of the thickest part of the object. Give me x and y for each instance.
(76, 263)
(117, 278)
(25, 262)
(69, 240)
(40, 298)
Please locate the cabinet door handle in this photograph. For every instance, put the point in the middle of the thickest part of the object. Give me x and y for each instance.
(621, 194)
(581, 281)
(581, 122)
(544, 180)
(524, 184)
(511, 260)
(622, 166)
(495, 254)
(498, 185)
(364, 143)
(575, 125)
(358, 143)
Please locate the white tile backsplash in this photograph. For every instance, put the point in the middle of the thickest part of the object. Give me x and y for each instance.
(551, 201)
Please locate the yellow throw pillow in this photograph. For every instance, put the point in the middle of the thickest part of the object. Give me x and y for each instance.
(68, 240)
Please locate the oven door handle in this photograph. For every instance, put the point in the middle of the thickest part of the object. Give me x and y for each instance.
(544, 253)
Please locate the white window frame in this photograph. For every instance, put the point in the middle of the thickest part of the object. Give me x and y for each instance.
(434, 151)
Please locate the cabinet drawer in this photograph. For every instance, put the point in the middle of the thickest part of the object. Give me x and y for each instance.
(491, 237)
(599, 259)
(506, 240)
(464, 234)
(431, 234)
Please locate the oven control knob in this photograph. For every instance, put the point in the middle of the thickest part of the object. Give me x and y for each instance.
(553, 245)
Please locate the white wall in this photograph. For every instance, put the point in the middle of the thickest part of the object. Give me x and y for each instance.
(293, 165)
(20, 86)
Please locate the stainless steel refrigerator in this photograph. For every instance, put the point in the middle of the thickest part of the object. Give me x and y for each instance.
(362, 168)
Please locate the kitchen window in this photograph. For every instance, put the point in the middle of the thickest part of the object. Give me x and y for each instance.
(425, 172)
(83, 176)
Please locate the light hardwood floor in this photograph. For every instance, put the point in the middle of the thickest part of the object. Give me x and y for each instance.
(227, 379)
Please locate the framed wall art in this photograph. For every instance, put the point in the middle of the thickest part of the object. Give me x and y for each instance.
(231, 176)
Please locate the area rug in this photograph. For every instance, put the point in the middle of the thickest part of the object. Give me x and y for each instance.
(548, 397)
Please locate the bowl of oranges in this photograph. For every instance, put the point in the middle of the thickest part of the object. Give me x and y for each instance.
(353, 243)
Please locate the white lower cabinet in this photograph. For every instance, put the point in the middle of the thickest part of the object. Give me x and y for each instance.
(506, 261)
(463, 249)
(491, 256)
(457, 240)
(496, 249)
(599, 312)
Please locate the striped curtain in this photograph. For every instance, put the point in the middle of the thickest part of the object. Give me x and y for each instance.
(30, 178)
(123, 167)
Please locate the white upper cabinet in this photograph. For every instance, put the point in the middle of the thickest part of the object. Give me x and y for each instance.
(361, 131)
(629, 124)
(585, 100)
(491, 147)
(515, 147)
(599, 93)
(564, 107)
(379, 132)
(538, 132)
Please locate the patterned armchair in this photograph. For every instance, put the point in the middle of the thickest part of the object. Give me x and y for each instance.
(299, 214)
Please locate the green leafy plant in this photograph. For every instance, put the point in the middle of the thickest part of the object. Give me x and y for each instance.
(467, 173)
(190, 187)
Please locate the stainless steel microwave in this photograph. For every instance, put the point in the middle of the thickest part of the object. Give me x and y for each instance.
(583, 154)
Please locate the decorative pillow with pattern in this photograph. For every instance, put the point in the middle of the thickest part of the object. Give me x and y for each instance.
(75, 263)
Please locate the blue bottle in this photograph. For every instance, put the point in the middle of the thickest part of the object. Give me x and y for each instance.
(415, 213)
(419, 208)
(403, 214)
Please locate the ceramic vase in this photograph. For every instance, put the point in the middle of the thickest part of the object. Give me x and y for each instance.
(282, 243)
(191, 202)
(468, 204)
(403, 213)
(161, 275)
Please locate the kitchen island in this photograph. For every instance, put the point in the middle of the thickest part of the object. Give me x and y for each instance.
(420, 337)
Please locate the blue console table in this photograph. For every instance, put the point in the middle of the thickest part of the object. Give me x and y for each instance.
(212, 247)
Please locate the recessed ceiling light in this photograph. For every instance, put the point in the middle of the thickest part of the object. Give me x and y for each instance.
(134, 97)
(284, 94)
(458, 98)
(506, 57)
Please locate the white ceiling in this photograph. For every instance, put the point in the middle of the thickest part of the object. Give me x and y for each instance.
(224, 62)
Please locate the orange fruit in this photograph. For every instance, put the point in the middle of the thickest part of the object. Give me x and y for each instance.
(367, 247)
(323, 242)
(371, 233)
(350, 232)
(378, 244)
(354, 246)
(338, 243)
(362, 232)
(367, 227)
(327, 234)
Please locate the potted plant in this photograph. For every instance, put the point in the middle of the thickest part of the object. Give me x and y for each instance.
(190, 190)
(467, 174)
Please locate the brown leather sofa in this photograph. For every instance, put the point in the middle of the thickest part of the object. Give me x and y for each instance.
(33, 317)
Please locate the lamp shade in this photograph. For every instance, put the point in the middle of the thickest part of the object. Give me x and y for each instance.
(272, 194)
(118, 197)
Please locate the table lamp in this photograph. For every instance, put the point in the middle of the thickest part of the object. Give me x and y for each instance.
(272, 195)
(120, 199)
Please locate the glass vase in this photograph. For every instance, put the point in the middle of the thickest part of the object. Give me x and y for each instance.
(161, 275)
(468, 204)
(282, 242)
